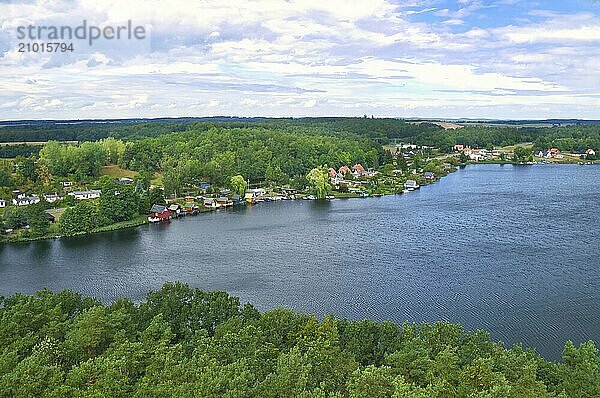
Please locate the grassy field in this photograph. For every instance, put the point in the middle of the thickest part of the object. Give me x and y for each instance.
(117, 172)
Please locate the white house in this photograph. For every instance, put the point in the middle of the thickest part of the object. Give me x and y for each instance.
(411, 184)
(26, 200)
(590, 152)
(2, 203)
(53, 197)
(83, 195)
(66, 183)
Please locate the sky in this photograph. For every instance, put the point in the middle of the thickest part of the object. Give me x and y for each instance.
(497, 59)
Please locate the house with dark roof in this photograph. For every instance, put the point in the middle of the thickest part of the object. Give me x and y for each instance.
(23, 200)
(159, 213)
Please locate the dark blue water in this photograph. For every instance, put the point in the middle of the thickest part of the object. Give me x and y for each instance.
(513, 250)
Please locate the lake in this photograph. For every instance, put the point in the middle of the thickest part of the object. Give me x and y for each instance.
(511, 249)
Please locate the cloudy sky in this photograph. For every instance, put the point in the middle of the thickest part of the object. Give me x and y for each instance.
(416, 58)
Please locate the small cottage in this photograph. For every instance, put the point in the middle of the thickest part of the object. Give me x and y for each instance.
(159, 213)
(429, 175)
(85, 195)
(224, 201)
(175, 209)
(53, 197)
(411, 184)
(210, 202)
(22, 200)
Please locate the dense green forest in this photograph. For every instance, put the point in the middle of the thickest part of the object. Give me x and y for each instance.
(86, 131)
(379, 130)
(218, 153)
(185, 342)
(12, 151)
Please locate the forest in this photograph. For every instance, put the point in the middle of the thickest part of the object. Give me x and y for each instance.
(185, 342)
(381, 131)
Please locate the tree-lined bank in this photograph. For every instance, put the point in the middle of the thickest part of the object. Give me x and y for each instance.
(187, 342)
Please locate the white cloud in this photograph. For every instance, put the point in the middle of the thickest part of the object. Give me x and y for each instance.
(306, 57)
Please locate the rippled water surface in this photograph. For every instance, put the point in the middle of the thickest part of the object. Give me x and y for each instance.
(514, 250)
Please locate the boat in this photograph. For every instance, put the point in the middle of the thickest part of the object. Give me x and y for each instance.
(329, 197)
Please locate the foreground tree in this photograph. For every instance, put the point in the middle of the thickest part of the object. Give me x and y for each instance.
(238, 185)
(83, 217)
(185, 342)
(318, 182)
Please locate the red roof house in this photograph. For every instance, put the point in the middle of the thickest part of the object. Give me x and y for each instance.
(358, 167)
(160, 212)
(344, 169)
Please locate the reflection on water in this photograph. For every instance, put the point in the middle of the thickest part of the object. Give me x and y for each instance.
(513, 250)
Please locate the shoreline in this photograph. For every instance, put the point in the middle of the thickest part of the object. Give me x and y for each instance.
(143, 219)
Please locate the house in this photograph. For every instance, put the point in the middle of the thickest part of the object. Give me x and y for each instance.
(190, 207)
(369, 173)
(174, 208)
(2, 203)
(53, 197)
(22, 200)
(590, 152)
(358, 170)
(225, 191)
(459, 148)
(253, 194)
(332, 172)
(343, 170)
(66, 183)
(189, 199)
(428, 175)
(475, 154)
(224, 201)
(54, 214)
(210, 202)
(84, 195)
(237, 199)
(552, 153)
(159, 213)
(411, 185)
